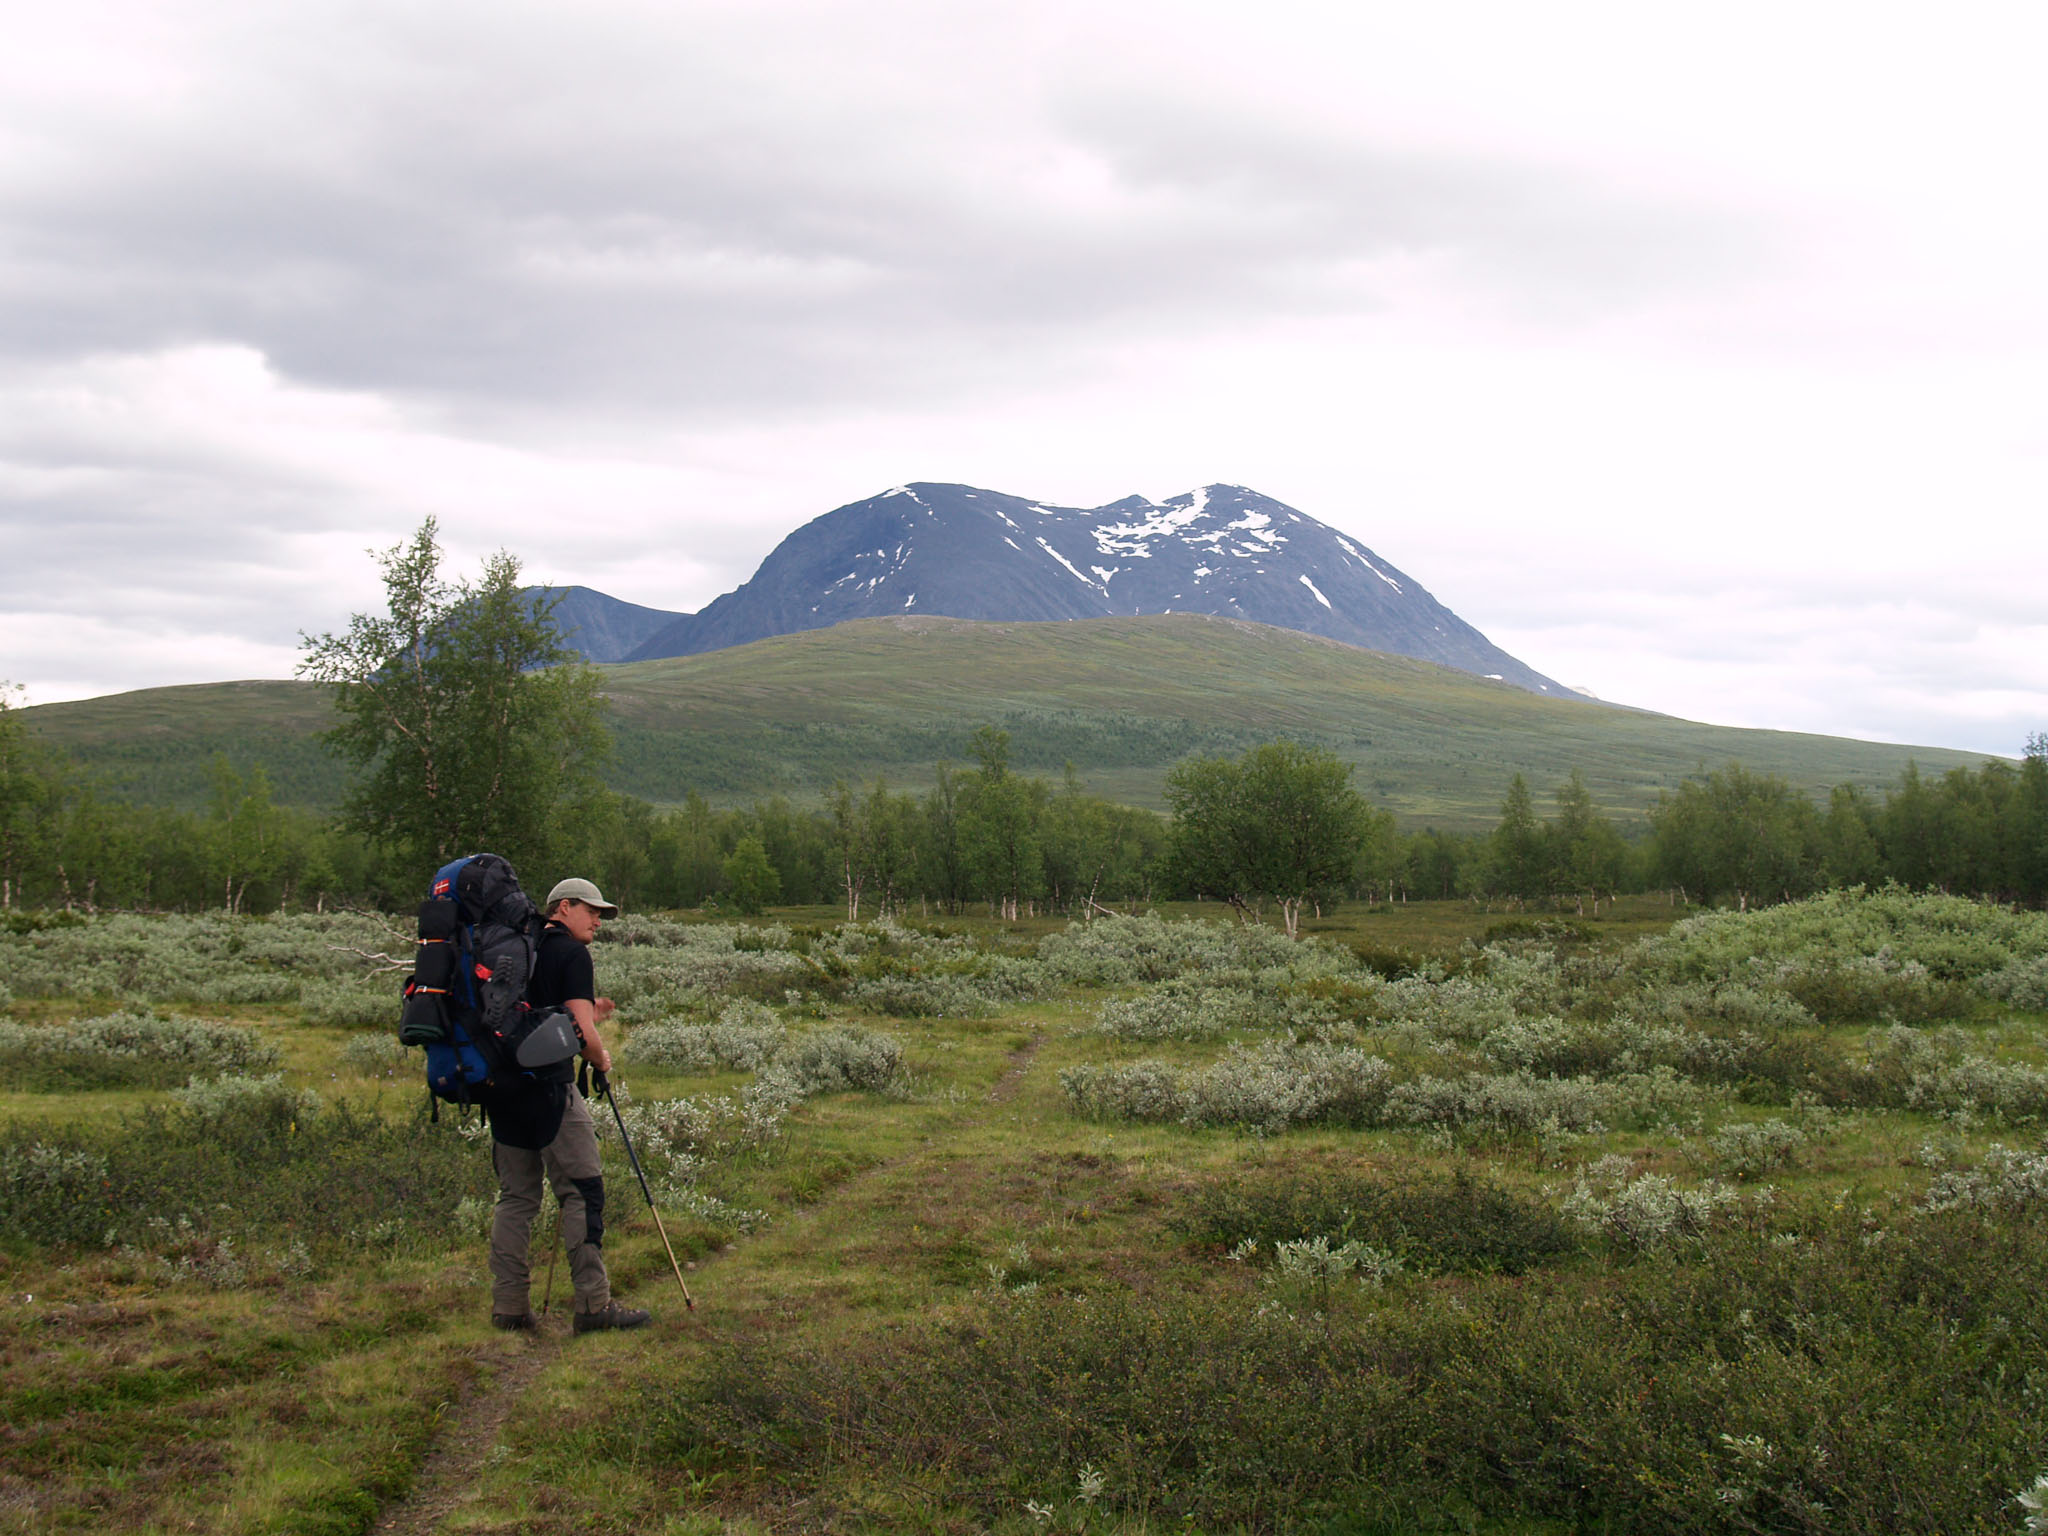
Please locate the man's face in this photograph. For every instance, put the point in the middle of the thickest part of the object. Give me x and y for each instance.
(580, 919)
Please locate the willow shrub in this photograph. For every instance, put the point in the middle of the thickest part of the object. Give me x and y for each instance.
(132, 1048)
(1850, 1378)
(243, 1158)
(1459, 1224)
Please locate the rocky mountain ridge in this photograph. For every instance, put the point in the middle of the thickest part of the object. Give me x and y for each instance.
(965, 552)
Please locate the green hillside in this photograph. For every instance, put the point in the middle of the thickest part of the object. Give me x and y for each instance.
(1122, 699)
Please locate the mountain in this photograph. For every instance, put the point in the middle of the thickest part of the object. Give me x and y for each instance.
(965, 553)
(1121, 699)
(604, 628)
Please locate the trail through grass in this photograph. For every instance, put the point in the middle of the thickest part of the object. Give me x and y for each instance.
(1732, 1227)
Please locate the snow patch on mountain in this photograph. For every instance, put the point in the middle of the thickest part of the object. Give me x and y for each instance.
(1220, 549)
(1063, 560)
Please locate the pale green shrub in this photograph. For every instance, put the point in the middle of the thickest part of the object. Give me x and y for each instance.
(134, 1037)
(1517, 1104)
(1644, 1213)
(2023, 983)
(1740, 1004)
(222, 1100)
(1124, 951)
(1465, 1008)
(376, 1055)
(352, 1004)
(834, 1060)
(1552, 1046)
(1748, 1151)
(962, 993)
(2005, 1182)
(1947, 1071)
(744, 1038)
(201, 958)
(1952, 938)
(1184, 1009)
(1318, 1262)
(1142, 1090)
(1264, 1088)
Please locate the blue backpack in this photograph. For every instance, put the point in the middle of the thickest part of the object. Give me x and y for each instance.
(465, 1002)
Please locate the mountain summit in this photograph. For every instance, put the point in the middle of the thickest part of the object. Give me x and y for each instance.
(965, 553)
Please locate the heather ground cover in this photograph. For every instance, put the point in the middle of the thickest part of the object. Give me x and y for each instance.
(1434, 1220)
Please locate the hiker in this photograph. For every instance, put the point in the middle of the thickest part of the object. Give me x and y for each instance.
(546, 1128)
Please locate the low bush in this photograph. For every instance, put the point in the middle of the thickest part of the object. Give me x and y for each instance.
(1460, 1224)
(1263, 1089)
(835, 1060)
(1641, 1213)
(1749, 1151)
(1516, 1104)
(1946, 1071)
(744, 1038)
(376, 1055)
(2006, 1183)
(249, 1159)
(195, 958)
(1741, 1384)
(2023, 983)
(1199, 1009)
(1125, 951)
(1849, 946)
(352, 1004)
(129, 1049)
(953, 993)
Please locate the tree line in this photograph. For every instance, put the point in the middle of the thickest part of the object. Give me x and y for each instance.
(467, 723)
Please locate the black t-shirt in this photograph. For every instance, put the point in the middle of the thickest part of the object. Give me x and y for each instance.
(562, 971)
(529, 1113)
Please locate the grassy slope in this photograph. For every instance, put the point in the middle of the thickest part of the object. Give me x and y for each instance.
(1121, 698)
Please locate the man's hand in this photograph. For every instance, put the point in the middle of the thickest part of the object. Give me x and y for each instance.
(603, 1009)
(586, 1016)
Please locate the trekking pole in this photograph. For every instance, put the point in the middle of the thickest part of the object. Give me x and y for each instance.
(604, 1088)
(547, 1296)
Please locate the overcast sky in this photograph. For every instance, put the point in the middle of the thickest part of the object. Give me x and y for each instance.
(1698, 355)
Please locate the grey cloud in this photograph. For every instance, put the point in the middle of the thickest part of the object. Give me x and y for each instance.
(617, 216)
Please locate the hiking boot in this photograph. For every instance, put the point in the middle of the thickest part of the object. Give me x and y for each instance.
(610, 1315)
(514, 1322)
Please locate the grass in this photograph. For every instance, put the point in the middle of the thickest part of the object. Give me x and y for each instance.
(966, 1298)
(1122, 699)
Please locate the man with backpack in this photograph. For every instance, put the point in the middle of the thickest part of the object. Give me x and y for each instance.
(543, 1129)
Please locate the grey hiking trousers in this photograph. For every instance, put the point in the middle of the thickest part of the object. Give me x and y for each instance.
(571, 1165)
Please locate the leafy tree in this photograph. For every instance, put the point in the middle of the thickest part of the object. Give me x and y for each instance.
(1382, 860)
(1741, 834)
(469, 723)
(849, 846)
(245, 831)
(1437, 864)
(1587, 856)
(942, 865)
(1519, 860)
(1282, 823)
(999, 827)
(26, 785)
(750, 880)
(1849, 853)
(2030, 822)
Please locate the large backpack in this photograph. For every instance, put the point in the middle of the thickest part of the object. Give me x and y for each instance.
(466, 999)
